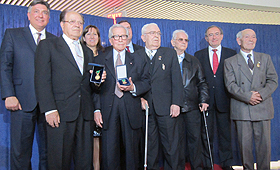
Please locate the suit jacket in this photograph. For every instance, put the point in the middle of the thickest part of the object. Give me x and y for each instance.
(218, 94)
(240, 82)
(194, 81)
(17, 66)
(59, 83)
(166, 80)
(137, 69)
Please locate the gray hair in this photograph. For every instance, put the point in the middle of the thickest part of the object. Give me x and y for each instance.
(116, 26)
(35, 2)
(212, 26)
(239, 34)
(174, 35)
(144, 28)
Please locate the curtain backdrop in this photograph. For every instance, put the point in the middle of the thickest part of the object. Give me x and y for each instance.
(268, 36)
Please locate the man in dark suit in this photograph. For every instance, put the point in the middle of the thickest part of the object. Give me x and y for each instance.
(64, 94)
(164, 99)
(195, 94)
(212, 61)
(121, 114)
(251, 78)
(17, 86)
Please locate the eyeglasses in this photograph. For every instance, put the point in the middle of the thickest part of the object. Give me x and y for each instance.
(153, 33)
(72, 22)
(212, 34)
(181, 40)
(117, 37)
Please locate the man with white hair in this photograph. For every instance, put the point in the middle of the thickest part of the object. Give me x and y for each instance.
(250, 78)
(195, 97)
(165, 99)
(121, 114)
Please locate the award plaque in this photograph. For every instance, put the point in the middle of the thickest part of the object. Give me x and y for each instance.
(122, 75)
(96, 76)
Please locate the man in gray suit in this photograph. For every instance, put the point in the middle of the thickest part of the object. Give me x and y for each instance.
(250, 78)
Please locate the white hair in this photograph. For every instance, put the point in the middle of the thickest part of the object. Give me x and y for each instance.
(174, 35)
(144, 28)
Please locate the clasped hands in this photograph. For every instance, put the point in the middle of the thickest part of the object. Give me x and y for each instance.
(255, 99)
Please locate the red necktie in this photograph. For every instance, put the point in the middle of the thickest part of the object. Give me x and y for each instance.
(215, 61)
(127, 48)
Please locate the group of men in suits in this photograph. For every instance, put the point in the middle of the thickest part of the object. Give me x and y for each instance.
(171, 82)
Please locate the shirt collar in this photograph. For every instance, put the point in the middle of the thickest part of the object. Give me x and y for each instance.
(153, 51)
(34, 31)
(244, 54)
(219, 48)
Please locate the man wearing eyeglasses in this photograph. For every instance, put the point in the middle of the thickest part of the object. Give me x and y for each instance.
(64, 94)
(195, 97)
(121, 114)
(164, 99)
(212, 61)
(17, 86)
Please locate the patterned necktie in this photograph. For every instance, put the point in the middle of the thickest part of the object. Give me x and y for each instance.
(215, 61)
(250, 62)
(78, 57)
(127, 48)
(39, 38)
(118, 91)
(150, 54)
(181, 58)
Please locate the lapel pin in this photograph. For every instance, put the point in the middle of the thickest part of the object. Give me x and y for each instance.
(130, 63)
(159, 57)
(163, 66)
(258, 64)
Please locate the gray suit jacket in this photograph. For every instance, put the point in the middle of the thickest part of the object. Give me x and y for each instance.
(240, 82)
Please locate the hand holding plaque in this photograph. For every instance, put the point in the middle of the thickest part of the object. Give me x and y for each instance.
(122, 75)
(97, 71)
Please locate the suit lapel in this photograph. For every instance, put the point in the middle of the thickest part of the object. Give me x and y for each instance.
(209, 68)
(158, 60)
(86, 58)
(29, 38)
(129, 61)
(256, 71)
(109, 63)
(244, 67)
(67, 52)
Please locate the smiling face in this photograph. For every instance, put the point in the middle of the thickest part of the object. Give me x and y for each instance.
(39, 16)
(214, 37)
(91, 37)
(152, 37)
(248, 40)
(72, 26)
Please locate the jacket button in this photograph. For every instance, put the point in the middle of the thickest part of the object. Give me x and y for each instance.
(214, 75)
(242, 83)
(79, 96)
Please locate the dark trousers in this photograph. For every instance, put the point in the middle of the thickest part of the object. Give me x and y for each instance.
(192, 120)
(120, 143)
(258, 132)
(71, 141)
(224, 138)
(169, 133)
(22, 135)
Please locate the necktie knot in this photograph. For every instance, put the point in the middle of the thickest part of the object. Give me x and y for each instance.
(250, 62)
(39, 37)
(214, 50)
(77, 48)
(127, 48)
(150, 53)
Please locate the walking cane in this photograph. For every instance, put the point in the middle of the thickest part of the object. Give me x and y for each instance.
(207, 136)
(146, 137)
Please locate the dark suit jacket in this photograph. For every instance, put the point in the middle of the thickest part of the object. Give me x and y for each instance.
(17, 66)
(240, 82)
(137, 69)
(59, 83)
(216, 84)
(166, 80)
